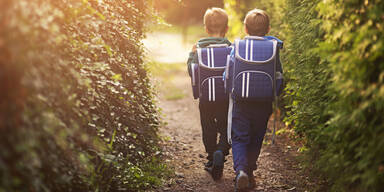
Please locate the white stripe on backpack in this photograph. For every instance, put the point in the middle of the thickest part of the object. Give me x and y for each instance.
(247, 85)
(246, 49)
(208, 58)
(213, 58)
(213, 80)
(251, 52)
(213, 90)
(209, 89)
(243, 86)
(229, 126)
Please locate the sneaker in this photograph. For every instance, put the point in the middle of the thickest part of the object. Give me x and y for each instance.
(208, 166)
(241, 182)
(218, 165)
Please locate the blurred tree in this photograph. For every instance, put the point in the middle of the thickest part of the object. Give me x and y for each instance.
(184, 12)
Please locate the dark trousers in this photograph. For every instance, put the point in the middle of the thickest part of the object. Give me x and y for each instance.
(214, 117)
(249, 123)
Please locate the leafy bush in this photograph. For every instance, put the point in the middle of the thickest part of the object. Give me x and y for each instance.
(76, 107)
(354, 48)
(307, 93)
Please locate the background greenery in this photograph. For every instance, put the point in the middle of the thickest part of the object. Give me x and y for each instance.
(334, 67)
(184, 12)
(76, 107)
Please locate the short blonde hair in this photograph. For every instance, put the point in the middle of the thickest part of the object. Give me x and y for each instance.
(257, 22)
(216, 20)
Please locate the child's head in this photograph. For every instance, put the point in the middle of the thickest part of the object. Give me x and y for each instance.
(257, 23)
(216, 22)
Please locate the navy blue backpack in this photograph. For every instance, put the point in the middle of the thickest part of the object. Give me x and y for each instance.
(253, 75)
(207, 75)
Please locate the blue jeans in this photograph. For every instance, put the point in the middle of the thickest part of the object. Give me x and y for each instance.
(249, 124)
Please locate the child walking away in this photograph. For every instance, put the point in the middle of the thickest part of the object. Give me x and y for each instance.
(253, 79)
(205, 66)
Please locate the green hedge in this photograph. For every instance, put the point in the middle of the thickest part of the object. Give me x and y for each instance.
(354, 48)
(307, 91)
(76, 107)
(334, 69)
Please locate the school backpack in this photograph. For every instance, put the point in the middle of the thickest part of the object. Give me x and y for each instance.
(253, 75)
(207, 74)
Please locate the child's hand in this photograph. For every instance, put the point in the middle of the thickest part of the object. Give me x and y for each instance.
(194, 48)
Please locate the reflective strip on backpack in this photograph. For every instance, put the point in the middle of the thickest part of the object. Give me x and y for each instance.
(208, 58)
(247, 93)
(246, 48)
(243, 86)
(251, 52)
(209, 89)
(229, 126)
(213, 80)
(213, 90)
(213, 58)
(193, 74)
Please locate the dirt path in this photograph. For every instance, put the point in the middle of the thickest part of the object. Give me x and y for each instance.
(278, 167)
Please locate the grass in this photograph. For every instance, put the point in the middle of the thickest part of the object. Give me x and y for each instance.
(174, 94)
(166, 70)
(165, 74)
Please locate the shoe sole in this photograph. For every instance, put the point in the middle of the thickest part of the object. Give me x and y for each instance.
(218, 165)
(242, 182)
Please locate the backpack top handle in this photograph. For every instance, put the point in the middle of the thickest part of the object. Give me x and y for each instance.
(254, 37)
(217, 45)
(237, 43)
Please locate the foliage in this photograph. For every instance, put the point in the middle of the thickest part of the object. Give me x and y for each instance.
(235, 14)
(354, 48)
(304, 69)
(184, 12)
(76, 107)
(333, 64)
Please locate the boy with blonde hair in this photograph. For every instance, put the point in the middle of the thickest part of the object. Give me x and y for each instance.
(254, 78)
(213, 115)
